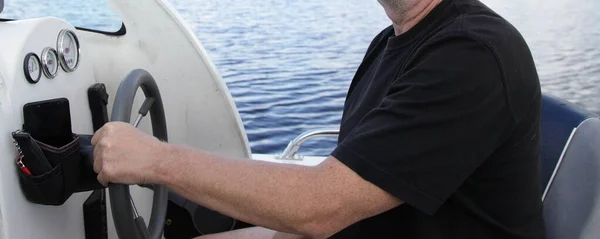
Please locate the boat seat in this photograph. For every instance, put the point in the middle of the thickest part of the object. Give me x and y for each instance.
(559, 118)
(572, 198)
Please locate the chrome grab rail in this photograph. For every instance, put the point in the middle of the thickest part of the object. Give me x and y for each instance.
(292, 148)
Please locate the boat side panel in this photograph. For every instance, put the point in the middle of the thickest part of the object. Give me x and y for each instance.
(199, 108)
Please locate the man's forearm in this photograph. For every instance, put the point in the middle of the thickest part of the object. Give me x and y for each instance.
(287, 198)
(311, 201)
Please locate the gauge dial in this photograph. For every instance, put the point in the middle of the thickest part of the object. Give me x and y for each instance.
(50, 62)
(32, 68)
(68, 50)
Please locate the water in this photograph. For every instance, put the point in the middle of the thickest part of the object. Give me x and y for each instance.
(288, 63)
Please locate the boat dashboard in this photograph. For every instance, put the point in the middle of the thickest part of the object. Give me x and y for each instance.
(41, 59)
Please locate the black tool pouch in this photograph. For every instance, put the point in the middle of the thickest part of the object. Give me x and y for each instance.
(55, 186)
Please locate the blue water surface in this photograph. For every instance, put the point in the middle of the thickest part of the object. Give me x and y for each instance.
(288, 63)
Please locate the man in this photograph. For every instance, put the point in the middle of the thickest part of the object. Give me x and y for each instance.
(439, 139)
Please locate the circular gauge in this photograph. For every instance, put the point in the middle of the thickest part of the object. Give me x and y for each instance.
(32, 68)
(68, 50)
(50, 62)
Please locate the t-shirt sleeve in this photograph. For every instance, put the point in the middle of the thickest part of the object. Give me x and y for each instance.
(439, 122)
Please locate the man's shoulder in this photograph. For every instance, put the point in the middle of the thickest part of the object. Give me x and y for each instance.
(482, 26)
(475, 20)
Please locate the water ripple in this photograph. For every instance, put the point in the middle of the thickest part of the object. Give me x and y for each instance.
(288, 63)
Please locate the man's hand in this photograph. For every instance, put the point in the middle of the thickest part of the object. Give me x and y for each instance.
(123, 154)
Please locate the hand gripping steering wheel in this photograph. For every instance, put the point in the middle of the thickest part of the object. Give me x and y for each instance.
(128, 223)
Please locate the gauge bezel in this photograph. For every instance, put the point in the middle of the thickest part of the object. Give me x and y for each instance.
(44, 59)
(61, 51)
(26, 68)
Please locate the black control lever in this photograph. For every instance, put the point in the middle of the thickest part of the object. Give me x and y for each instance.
(94, 208)
(98, 99)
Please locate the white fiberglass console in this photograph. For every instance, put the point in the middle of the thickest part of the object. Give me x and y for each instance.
(48, 58)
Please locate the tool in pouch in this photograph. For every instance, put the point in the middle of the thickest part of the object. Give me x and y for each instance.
(30, 159)
(20, 156)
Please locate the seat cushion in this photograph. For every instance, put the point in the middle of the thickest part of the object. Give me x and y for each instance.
(571, 206)
(559, 118)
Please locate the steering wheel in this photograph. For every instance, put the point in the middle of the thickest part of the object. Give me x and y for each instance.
(128, 223)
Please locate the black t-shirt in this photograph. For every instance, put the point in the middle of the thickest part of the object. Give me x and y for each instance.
(445, 117)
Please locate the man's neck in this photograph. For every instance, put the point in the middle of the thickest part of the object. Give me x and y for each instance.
(415, 12)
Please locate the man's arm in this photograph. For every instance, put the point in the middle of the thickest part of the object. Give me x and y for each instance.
(311, 201)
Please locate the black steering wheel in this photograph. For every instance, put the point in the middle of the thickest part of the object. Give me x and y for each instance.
(127, 221)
